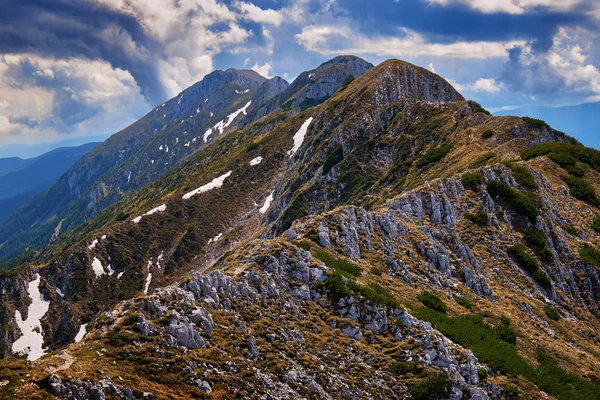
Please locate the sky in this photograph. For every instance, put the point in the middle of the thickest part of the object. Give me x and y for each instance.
(72, 69)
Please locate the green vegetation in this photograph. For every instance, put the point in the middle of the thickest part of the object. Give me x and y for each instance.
(581, 189)
(535, 240)
(523, 176)
(339, 285)
(590, 255)
(486, 342)
(287, 106)
(336, 263)
(465, 302)
(519, 253)
(431, 300)
(524, 204)
(596, 224)
(488, 133)
(330, 261)
(533, 123)
(432, 156)
(570, 229)
(376, 271)
(472, 181)
(251, 147)
(436, 386)
(477, 108)
(483, 373)
(482, 159)
(334, 157)
(347, 82)
(552, 313)
(405, 367)
(566, 156)
(478, 216)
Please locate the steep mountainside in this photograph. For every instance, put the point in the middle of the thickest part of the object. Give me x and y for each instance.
(392, 241)
(21, 180)
(139, 154)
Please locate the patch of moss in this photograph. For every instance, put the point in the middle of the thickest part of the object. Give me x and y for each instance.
(334, 157)
(596, 223)
(570, 229)
(465, 302)
(523, 176)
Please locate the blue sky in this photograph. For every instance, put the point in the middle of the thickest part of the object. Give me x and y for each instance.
(78, 68)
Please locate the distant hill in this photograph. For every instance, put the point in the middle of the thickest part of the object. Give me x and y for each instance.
(581, 122)
(21, 180)
(27, 151)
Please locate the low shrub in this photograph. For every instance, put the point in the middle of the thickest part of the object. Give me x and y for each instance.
(536, 242)
(431, 300)
(376, 294)
(519, 253)
(472, 181)
(524, 204)
(436, 386)
(551, 313)
(534, 123)
(590, 255)
(336, 287)
(506, 333)
(334, 157)
(483, 373)
(488, 133)
(336, 263)
(580, 189)
(596, 223)
(523, 176)
(570, 229)
(465, 302)
(566, 156)
(432, 156)
(376, 271)
(478, 216)
(405, 367)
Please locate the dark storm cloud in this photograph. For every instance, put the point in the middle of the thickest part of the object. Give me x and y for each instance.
(64, 29)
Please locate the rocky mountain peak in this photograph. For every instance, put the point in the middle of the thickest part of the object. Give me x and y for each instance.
(397, 80)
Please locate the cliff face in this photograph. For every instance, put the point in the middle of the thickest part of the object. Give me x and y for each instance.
(392, 241)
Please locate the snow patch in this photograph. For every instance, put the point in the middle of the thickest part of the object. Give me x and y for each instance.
(60, 293)
(215, 183)
(97, 267)
(255, 161)
(103, 237)
(160, 208)
(216, 238)
(299, 136)
(221, 125)
(267, 204)
(81, 333)
(120, 275)
(32, 338)
(93, 244)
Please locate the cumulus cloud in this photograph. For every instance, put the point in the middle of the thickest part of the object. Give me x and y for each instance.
(43, 96)
(257, 14)
(341, 39)
(568, 68)
(488, 85)
(520, 6)
(264, 69)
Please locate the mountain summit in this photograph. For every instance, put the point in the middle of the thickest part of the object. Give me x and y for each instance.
(364, 232)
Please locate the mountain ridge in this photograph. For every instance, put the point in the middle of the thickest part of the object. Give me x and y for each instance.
(368, 232)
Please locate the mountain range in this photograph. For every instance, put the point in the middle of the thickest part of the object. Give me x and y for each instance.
(21, 179)
(364, 232)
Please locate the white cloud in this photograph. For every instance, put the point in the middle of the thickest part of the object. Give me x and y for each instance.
(43, 96)
(256, 14)
(515, 6)
(340, 39)
(264, 69)
(481, 85)
(431, 67)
